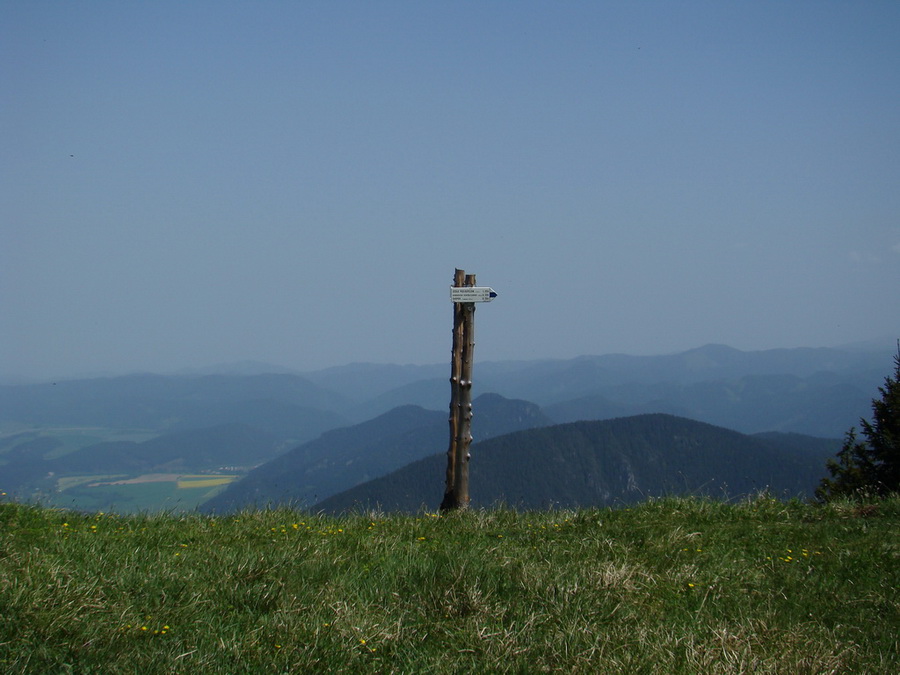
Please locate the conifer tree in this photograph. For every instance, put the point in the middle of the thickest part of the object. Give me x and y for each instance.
(870, 467)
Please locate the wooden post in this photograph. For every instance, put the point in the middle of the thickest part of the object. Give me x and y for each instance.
(456, 489)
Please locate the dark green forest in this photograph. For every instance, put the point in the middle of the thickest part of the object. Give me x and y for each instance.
(608, 463)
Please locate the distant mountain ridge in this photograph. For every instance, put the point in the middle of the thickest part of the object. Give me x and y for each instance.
(823, 404)
(714, 383)
(844, 380)
(158, 401)
(604, 463)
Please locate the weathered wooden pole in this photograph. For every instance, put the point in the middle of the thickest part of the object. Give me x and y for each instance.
(456, 487)
(450, 500)
(464, 432)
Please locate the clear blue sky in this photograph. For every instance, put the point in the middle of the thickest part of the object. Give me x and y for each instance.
(189, 183)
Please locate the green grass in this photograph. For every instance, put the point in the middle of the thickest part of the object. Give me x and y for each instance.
(671, 586)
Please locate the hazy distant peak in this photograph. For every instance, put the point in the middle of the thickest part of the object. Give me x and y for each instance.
(715, 349)
(246, 367)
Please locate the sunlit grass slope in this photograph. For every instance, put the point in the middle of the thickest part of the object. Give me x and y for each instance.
(671, 586)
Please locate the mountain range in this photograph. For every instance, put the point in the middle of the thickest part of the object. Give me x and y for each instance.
(313, 435)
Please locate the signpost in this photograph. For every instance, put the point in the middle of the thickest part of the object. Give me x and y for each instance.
(472, 294)
(464, 294)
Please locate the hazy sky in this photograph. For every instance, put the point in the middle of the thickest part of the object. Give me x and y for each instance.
(190, 183)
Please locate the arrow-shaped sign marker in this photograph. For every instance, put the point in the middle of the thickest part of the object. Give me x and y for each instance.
(472, 294)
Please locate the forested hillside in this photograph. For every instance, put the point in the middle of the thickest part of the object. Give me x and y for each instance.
(605, 463)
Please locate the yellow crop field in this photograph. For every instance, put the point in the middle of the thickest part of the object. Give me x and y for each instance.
(204, 481)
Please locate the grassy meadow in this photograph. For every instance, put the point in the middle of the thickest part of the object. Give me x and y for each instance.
(670, 586)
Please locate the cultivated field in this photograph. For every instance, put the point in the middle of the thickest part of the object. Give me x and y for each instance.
(168, 493)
